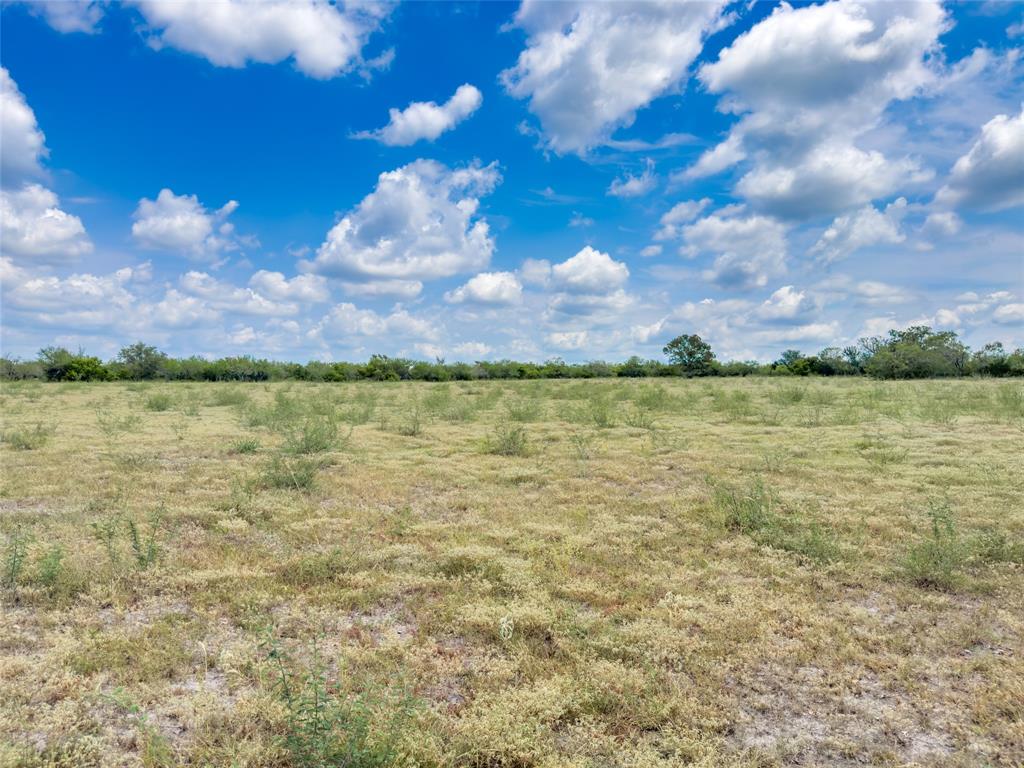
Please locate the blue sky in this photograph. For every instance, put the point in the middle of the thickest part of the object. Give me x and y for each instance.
(306, 180)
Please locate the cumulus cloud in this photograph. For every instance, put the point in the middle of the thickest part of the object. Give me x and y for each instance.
(590, 271)
(990, 177)
(323, 39)
(747, 250)
(23, 143)
(180, 223)
(69, 15)
(866, 227)
(679, 214)
(426, 119)
(34, 227)
(501, 288)
(79, 301)
(567, 340)
(303, 288)
(1009, 314)
(224, 296)
(634, 186)
(346, 320)
(588, 67)
(420, 223)
(807, 84)
(405, 289)
(786, 305)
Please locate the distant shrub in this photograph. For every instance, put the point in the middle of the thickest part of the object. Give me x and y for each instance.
(229, 396)
(524, 409)
(30, 438)
(294, 473)
(507, 440)
(314, 435)
(159, 401)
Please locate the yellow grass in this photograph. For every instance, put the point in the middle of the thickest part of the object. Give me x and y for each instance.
(598, 573)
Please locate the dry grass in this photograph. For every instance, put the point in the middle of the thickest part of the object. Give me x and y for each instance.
(607, 573)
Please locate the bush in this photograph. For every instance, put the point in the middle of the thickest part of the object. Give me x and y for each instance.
(246, 445)
(326, 727)
(507, 440)
(294, 473)
(936, 562)
(315, 435)
(159, 401)
(30, 438)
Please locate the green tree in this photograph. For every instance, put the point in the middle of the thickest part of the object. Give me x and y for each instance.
(692, 354)
(142, 361)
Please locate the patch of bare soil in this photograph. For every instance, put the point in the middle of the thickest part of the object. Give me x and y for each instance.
(807, 716)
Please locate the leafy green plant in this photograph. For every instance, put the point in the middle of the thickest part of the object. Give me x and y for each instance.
(326, 728)
(245, 445)
(314, 435)
(755, 511)
(50, 568)
(290, 472)
(937, 561)
(524, 409)
(507, 440)
(14, 557)
(639, 417)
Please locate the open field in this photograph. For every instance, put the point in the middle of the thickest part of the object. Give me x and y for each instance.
(598, 573)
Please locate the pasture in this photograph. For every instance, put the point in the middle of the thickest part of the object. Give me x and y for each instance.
(755, 572)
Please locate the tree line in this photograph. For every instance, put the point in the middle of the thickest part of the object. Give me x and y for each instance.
(917, 352)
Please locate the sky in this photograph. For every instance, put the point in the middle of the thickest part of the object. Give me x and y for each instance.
(307, 180)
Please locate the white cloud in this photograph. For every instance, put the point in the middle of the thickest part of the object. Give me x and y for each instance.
(634, 186)
(590, 271)
(588, 67)
(346, 319)
(990, 177)
(426, 119)
(405, 289)
(536, 271)
(419, 223)
(69, 15)
(579, 220)
(679, 214)
(567, 340)
(227, 297)
(831, 177)
(22, 141)
(180, 223)
(866, 227)
(808, 83)
(34, 227)
(1009, 314)
(748, 251)
(501, 288)
(80, 301)
(786, 305)
(472, 349)
(303, 288)
(941, 224)
(596, 306)
(650, 250)
(324, 39)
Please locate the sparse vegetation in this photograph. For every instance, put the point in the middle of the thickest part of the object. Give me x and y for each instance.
(527, 573)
